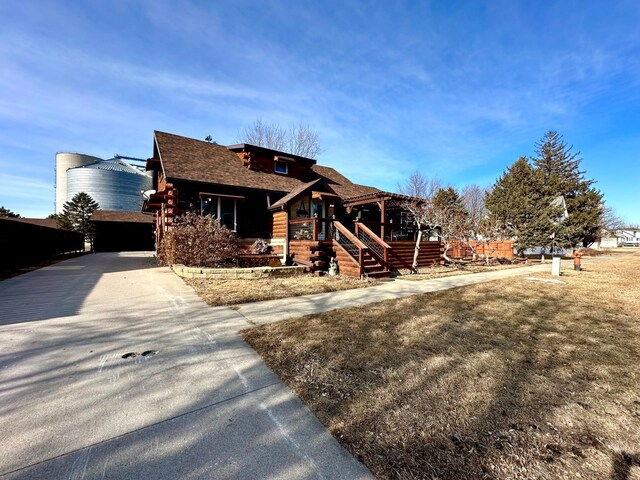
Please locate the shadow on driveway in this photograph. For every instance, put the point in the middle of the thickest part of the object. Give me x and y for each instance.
(59, 290)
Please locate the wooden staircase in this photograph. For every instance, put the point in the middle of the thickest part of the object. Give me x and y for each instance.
(314, 255)
(361, 254)
(357, 256)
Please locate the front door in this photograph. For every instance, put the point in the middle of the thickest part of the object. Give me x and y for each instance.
(317, 210)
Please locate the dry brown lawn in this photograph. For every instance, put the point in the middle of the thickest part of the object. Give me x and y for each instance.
(511, 379)
(235, 291)
(437, 271)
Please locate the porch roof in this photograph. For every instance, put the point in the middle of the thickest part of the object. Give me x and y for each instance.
(378, 196)
(301, 190)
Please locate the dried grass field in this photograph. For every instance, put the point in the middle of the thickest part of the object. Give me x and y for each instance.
(511, 379)
(235, 291)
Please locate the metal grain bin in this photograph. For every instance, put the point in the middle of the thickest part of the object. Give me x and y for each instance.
(114, 184)
(65, 161)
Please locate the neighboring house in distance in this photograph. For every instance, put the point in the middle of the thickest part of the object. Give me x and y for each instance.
(307, 211)
(628, 237)
(618, 238)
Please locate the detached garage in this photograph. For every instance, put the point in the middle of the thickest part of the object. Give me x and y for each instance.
(117, 231)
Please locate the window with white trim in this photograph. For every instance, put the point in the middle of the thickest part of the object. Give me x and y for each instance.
(222, 208)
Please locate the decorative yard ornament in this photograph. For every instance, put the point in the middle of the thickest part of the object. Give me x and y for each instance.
(302, 210)
(333, 267)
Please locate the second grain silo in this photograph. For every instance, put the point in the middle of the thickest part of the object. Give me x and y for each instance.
(65, 161)
(113, 183)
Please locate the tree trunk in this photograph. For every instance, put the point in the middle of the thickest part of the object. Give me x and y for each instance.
(416, 252)
(447, 247)
(491, 250)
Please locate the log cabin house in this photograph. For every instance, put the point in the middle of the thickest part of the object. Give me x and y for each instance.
(309, 213)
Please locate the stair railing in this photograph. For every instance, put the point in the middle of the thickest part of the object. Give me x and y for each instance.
(350, 244)
(378, 248)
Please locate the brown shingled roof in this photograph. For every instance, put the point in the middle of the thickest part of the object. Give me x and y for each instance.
(341, 184)
(42, 222)
(190, 159)
(120, 216)
(295, 192)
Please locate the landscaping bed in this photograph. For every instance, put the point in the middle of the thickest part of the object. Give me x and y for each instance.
(508, 379)
(217, 292)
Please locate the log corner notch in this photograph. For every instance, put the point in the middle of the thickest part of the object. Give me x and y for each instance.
(164, 206)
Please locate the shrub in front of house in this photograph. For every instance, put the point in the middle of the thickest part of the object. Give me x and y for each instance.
(198, 241)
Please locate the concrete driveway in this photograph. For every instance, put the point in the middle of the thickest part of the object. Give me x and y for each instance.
(204, 406)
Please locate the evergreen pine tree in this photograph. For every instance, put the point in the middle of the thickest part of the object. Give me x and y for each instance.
(514, 201)
(76, 212)
(5, 212)
(449, 199)
(559, 173)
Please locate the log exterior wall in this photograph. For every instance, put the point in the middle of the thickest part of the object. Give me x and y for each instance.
(264, 162)
(280, 225)
(401, 254)
(347, 266)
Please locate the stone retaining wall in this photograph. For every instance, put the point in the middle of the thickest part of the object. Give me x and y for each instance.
(244, 273)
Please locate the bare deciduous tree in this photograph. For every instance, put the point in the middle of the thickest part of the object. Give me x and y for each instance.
(420, 191)
(437, 219)
(490, 230)
(473, 199)
(299, 139)
(610, 218)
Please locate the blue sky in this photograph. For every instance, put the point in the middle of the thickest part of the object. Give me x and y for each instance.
(456, 90)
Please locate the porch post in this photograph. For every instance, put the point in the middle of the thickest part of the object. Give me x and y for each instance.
(383, 217)
(314, 228)
(286, 238)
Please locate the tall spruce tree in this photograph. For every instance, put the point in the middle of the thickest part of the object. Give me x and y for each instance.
(76, 212)
(515, 202)
(558, 173)
(449, 199)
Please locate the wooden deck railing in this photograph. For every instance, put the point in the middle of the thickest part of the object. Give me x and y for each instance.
(378, 248)
(310, 228)
(394, 231)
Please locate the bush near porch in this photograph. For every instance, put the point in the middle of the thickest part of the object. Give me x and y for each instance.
(198, 241)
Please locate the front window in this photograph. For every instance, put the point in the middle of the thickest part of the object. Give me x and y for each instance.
(222, 208)
(228, 212)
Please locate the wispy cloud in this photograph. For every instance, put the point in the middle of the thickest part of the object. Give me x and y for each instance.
(457, 90)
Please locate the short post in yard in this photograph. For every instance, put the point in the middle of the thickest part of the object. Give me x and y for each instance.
(555, 266)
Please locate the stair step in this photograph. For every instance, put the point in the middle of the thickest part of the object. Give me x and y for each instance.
(381, 274)
(373, 268)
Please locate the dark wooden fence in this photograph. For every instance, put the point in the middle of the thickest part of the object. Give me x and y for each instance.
(23, 243)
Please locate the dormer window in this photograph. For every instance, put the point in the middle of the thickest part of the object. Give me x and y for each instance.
(281, 164)
(281, 167)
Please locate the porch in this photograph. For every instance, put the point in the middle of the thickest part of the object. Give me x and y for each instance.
(359, 252)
